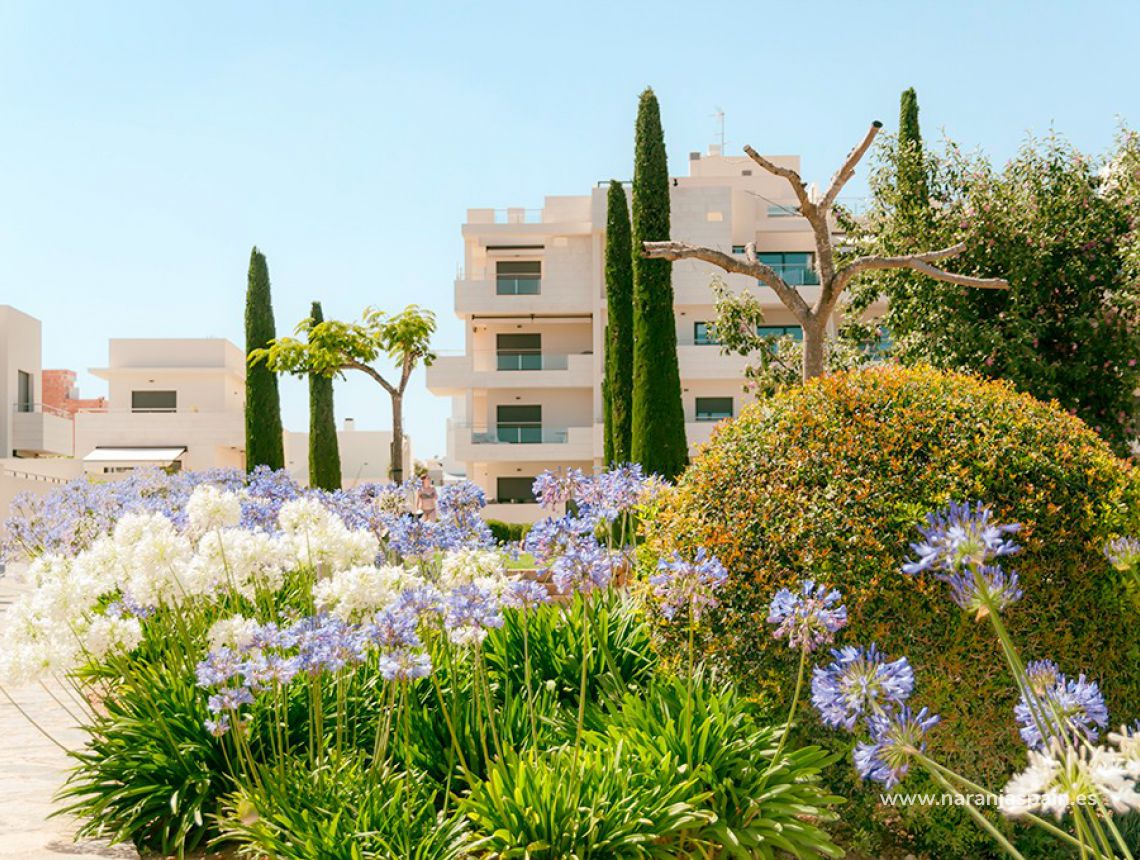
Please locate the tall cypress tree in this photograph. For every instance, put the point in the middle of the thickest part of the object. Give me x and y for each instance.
(658, 419)
(619, 330)
(324, 452)
(914, 203)
(264, 440)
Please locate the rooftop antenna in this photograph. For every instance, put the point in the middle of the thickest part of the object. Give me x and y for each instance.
(719, 117)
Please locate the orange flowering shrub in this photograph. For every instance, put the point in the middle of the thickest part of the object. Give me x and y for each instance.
(828, 481)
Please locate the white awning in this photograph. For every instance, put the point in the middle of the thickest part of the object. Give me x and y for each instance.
(165, 456)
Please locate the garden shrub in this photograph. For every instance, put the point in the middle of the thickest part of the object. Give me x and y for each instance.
(828, 481)
(505, 533)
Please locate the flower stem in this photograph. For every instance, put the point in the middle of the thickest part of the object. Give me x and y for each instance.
(984, 822)
(772, 765)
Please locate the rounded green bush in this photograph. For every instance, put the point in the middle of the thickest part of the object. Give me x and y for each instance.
(828, 481)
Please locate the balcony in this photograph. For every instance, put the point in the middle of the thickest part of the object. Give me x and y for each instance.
(706, 361)
(41, 430)
(521, 296)
(453, 374)
(691, 285)
(205, 433)
(483, 443)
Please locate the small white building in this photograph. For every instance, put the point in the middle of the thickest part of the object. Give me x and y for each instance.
(172, 403)
(365, 455)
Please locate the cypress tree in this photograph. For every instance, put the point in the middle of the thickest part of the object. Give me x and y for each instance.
(264, 440)
(914, 202)
(324, 452)
(618, 390)
(659, 443)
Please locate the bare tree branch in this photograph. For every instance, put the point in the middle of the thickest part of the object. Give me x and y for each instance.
(374, 373)
(752, 268)
(848, 169)
(787, 173)
(919, 263)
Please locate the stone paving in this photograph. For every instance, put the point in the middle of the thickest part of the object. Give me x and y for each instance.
(32, 769)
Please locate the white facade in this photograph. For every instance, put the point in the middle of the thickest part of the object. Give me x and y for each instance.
(526, 391)
(166, 395)
(365, 455)
(26, 429)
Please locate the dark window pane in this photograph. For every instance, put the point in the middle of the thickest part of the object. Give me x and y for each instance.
(714, 408)
(704, 334)
(26, 395)
(515, 490)
(154, 401)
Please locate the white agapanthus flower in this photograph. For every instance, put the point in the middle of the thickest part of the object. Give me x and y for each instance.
(1128, 744)
(248, 561)
(211, 508)
(107, 633)
(236, 632)
(352, 594)
(1062, 777)
(482, 566)
(315, 537)
(467, 636)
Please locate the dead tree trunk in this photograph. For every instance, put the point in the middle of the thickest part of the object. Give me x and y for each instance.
(813, 318)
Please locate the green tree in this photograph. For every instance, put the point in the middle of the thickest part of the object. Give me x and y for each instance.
(619, 329)
(332, 347)
(658, 424)
(324, 451)
(264, 438)
(1069, 326)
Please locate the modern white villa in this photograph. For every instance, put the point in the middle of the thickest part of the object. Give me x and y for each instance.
(172, 403)
(526, 390)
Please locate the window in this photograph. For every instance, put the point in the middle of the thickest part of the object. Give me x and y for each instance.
(518, 424)
(514, 491)
(518, 277)
(794, 331)
(154, 401)
(777, 210)
(26, 392)
(795, 268)
(704, 334)
(714, 408)
(518, 351)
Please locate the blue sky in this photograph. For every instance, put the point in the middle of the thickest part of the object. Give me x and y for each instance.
(146, 146)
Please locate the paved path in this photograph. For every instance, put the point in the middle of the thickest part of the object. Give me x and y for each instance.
(32, 769)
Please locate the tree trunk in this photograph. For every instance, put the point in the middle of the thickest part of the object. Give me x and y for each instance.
(814, 336)
(396, 463)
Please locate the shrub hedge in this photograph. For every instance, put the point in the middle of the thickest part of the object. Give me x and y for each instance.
(507, 532)
(828, 481)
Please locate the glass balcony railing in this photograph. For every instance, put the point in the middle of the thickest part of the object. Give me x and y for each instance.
(523, 360)
(517, 286)
(520, 434)
(796, 274)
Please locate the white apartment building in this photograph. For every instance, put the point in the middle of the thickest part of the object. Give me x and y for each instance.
(526, 391)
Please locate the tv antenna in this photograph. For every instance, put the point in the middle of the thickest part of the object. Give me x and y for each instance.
(719, 117)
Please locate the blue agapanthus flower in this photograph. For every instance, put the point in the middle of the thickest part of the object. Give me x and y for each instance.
(1075, 707)
(688, 586)
(896, 736)
(960, 535)
(809, 617)
(859, 682)
(404, 664)
(981, 588)
(584, 565)
(1123, 553)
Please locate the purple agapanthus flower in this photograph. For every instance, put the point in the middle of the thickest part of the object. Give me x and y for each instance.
(551, 537)
(1123, 553)
(584, 566)
(895, 737)
(470, 610)
(404, 664)
(688, 586)
(557, 487)
(393, 628)
(1075, 707)
(525, 594)
(960, 535)
(229, 699)
(980, 588)
(859, 682)
(808, 618)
